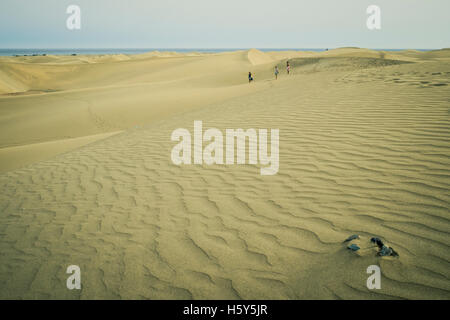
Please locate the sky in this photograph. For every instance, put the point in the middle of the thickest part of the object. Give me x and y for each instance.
(420, 24)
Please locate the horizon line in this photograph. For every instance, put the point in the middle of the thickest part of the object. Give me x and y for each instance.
(215, 48)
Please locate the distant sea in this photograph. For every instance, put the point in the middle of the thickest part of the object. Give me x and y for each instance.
(21, 52)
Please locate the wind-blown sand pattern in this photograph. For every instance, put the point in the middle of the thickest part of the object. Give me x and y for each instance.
(364, 148)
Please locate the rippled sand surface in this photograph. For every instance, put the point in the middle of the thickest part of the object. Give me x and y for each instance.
(364, 149)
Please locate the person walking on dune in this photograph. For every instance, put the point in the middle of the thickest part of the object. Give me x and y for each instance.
(288, 67)
(276, 72)
(250, 78)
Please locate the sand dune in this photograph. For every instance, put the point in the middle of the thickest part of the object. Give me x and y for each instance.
(257, 57)
(364, 149)
(46, 102)
(17, 157)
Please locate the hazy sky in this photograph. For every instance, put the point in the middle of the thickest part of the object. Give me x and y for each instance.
(224, 24)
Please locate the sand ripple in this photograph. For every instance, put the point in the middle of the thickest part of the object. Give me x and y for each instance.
(365, 151)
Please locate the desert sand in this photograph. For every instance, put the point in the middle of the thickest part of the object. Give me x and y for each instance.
(86, 177)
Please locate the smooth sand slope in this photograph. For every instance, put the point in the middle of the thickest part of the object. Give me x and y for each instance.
(54, 98)
(364, 149)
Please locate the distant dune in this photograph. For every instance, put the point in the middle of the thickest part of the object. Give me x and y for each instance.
(87, 177)
(257, 57)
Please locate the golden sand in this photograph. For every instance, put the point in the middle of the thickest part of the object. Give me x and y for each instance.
(364, 149)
